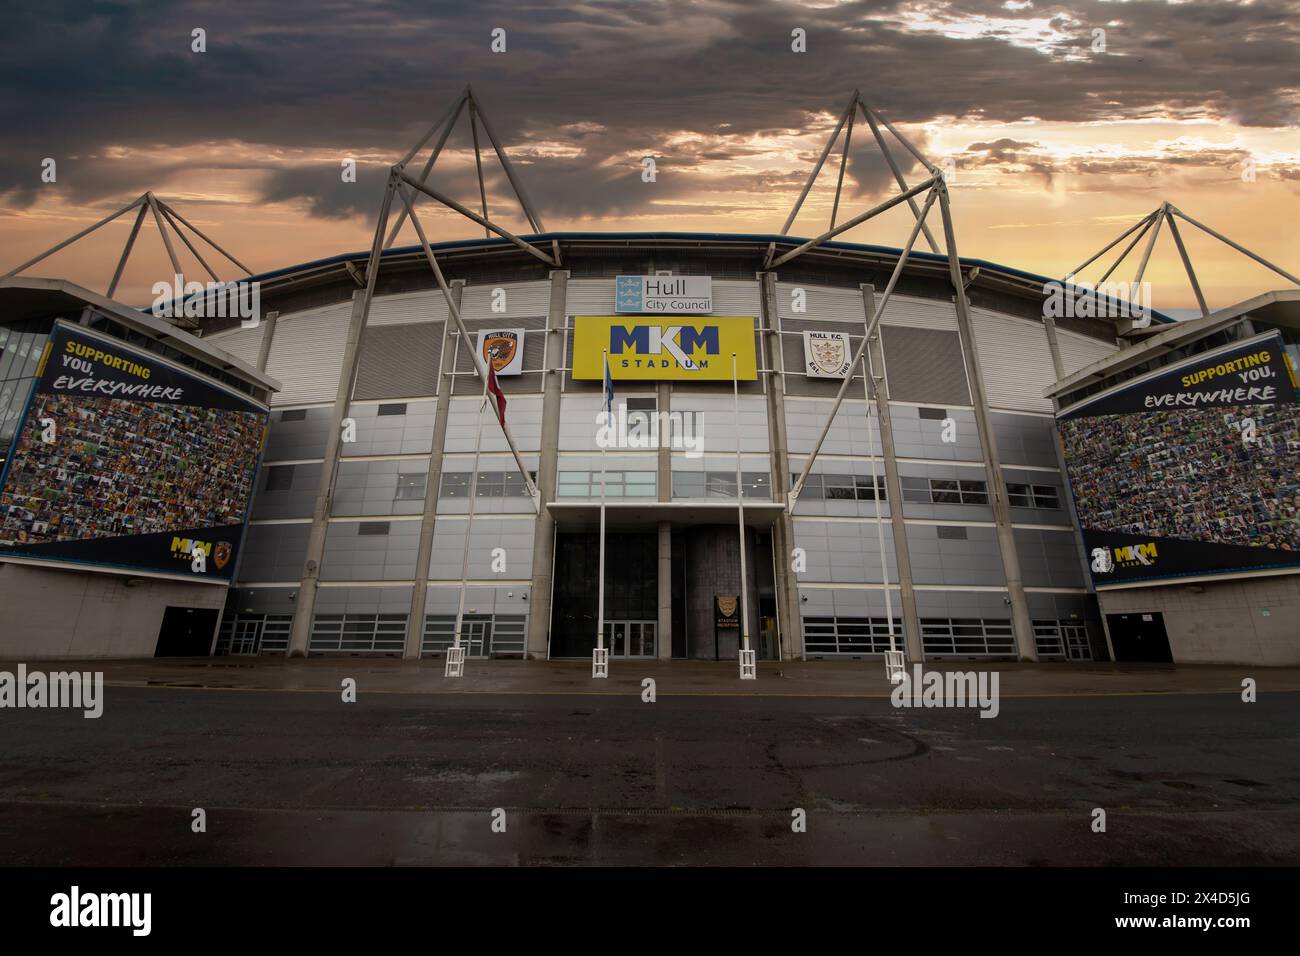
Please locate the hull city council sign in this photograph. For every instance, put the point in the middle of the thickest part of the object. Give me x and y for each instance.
(663, 348)
(663, 295)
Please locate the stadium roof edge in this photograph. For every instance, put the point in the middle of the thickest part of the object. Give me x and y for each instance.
(25, 296)
(616, 237)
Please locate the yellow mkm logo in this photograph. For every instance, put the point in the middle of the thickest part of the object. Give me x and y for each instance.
(183, 548)
(1135, 555)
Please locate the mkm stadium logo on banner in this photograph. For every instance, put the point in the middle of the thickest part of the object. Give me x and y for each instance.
(660, 347)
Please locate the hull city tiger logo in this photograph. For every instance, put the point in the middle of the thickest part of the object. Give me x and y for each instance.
(500, 348)
(221, 554)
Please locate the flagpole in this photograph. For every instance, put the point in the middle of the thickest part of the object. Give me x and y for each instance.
(469, 522)
(740, 517)
(873, 397)
(600, 587)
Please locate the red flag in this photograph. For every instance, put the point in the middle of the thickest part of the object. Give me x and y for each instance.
(494, 389)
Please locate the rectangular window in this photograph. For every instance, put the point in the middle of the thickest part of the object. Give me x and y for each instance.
(720, 484)
(279, 478)
(397, 408)
(372, 527)
(812, 486)
(1018, 496)
(974, 493)
(293, 415)
(455, 484)
(688, 484)
(840, 487)
(410, 487)
(944, 492)
(932, 414)
(1045, 496)
(915, 490)
(865, 491)
(951, 533)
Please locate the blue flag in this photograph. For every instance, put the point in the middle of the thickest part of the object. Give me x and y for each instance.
(609, 394)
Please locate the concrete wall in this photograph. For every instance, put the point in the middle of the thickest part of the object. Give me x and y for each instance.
(1233, 622)
(51, 613)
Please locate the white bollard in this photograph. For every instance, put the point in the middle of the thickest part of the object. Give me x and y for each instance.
(749, 665)
(455, 662)
(599, 662)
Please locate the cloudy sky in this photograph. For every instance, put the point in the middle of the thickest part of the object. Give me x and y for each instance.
(1058, 136)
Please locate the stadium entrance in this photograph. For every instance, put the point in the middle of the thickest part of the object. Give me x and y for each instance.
(1140, 638)
(663, 605)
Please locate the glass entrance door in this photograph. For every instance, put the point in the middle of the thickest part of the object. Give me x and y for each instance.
(630, 638)
(247, 636)
(475, 636)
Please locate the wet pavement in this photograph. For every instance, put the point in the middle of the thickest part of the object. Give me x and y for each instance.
(418, 769)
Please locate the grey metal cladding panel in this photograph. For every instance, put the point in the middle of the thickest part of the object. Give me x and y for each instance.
(917, 437)
(1025, 439)
(370, 488)
(513, 536)
(1015, 360)
(240, 342)
(520, 299)
(917, 313)
(1048, 558)
(295, 440)
(822, 303)
(262, 600)
(418, 307)
(983, 604)
(390, 600)
(973, 562)
(399, 361)
(410, 433)
(737, 297)
(307, 354)
(844, 552)
(1078, 351)
(1054, 607)
(350, 556)
(296, 501)
(924, 365)
(589, 297)
(274, 552)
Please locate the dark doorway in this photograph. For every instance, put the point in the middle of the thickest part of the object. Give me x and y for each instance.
(186, 632)
(1140, 637)
(631, 592)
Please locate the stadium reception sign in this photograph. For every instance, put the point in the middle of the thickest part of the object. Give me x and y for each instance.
(1191, 470)
(123, 460)
(661, 348)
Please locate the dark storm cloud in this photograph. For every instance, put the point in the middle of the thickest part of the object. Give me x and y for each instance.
(610, 80)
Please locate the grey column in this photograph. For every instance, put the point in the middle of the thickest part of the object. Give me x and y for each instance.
(893, 487)
(264, 353)
(1053, 346)
(1020, 619)
(787, 589)
(539, 617)
(420, 590)
(664, 629)
(305, 607)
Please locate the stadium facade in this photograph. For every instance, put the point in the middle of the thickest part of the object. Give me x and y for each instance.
(966, 420)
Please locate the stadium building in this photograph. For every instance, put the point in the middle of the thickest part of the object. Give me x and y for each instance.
(395, 532)
(812, 449)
